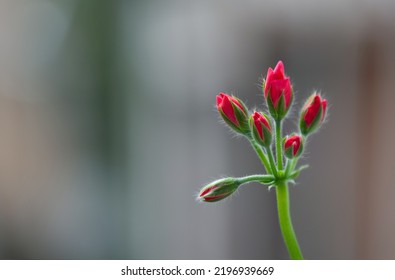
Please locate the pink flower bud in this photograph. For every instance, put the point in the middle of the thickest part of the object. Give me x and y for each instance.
(293, 146)
(278, 91)
(261, 130)
(313, 114)
(234, 112)
(218, 190)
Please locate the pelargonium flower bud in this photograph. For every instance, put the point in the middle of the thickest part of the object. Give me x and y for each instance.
(278, 91)
(234, 112)
(261, 129)
(313, 114)
(218, 190)
(293, 146)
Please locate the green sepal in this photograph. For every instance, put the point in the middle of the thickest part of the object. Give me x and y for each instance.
(296, 173)
(273, 112)
(230, 123)
(241, 103)
(227, 189)
(281, 111)
(242, 117)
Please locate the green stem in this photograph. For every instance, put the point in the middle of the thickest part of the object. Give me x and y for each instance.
(279, 149)
(284, 216)
(264, 179)
(293, 164)
(271, 159)
(290, 166)
(261, 155)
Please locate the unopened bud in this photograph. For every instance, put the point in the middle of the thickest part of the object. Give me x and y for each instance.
(234, 112)
(218, 190)
(278, 91)
(313, 114)
(261, 130)
(293, 146)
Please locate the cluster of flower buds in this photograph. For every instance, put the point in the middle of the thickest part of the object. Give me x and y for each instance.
(257, 127)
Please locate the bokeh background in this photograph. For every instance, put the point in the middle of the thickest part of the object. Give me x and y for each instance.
(108, 128)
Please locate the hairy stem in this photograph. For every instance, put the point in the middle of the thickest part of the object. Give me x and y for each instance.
(279, 149)
(290, 166)
(284, 216)
(293, 164)
(261, 155)
(271, 160)
(264, 179)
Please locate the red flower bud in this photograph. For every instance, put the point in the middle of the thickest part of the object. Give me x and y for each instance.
(278, 91)
(218, 190)
(293, 146)
(234, 112)
(313, 114)
(261, 130)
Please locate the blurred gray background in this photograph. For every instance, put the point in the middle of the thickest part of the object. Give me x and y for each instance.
(108, 128)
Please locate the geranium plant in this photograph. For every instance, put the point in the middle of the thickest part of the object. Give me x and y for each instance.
(264, 132)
